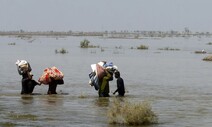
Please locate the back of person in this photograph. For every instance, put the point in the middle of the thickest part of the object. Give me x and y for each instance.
(120, 86)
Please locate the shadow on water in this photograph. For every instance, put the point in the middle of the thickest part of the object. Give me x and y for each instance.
(50, 100)
(54, 100)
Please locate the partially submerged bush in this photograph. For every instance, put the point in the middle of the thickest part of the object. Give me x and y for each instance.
(102, 49)
(208, 58)
(142, 47)
(209, 43)
(118, 47)
(12, 43)
(132, 114)
(62, 51)
(85, 44)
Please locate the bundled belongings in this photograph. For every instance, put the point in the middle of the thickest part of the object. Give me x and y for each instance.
(23, 66)
(98, 72)
(50, 74)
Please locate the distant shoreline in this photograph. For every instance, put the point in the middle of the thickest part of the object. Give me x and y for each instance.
(112, 34)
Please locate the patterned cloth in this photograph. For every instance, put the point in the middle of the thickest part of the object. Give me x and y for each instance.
(49, 74)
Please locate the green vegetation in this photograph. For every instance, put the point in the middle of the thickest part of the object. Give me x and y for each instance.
(12, 43)
(168, 48)
(143, 47)
(209, 43)
(85, 44)
(7, 124)
(22, 116)
(131, 114)
(118, 47)
(62, 51)
(102, 49)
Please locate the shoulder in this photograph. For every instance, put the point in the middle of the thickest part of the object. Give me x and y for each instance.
(120, 78)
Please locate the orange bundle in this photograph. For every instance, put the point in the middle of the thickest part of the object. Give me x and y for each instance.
(49, 74)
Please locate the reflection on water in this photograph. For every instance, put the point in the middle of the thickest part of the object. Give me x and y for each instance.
(177, 83)
(27, 99)
(54, 100)
(102, 102)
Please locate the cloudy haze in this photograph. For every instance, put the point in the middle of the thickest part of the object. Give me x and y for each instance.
(101, 15)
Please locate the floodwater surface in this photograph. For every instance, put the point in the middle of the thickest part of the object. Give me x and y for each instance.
(177, 83)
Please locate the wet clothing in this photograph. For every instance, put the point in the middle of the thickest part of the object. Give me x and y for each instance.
(120, 87)
(28, 84)
(53, 86)
(104, 85)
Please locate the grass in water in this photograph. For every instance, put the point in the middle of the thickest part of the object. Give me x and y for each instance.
(131, 114)
(8, 124)
(62, 51)
(82, 96)
(22, 116)
(143, 47)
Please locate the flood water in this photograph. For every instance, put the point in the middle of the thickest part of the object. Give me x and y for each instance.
(176, 83)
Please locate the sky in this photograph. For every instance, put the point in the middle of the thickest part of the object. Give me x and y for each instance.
(105, 15)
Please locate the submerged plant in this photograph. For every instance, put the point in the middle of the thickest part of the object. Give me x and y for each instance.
(62, 51)
(143, 47)
(168, 48)
(102, 49)
(131, 114)
(22, 116)
(209, 43)
(8, 124)
(12, 43)
(86, 44)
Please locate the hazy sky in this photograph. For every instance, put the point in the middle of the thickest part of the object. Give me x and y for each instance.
(101, 15)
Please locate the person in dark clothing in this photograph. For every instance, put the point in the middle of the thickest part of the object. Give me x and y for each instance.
(28, 84)
(53, 86)
(120, 84)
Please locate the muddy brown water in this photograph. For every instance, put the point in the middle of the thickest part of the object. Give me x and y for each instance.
(176, 83)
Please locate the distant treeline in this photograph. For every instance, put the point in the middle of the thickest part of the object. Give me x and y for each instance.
(111, 34)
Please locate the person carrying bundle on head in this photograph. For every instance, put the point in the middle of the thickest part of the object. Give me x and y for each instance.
(28, 84)
(104, 82)
(52, 77)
